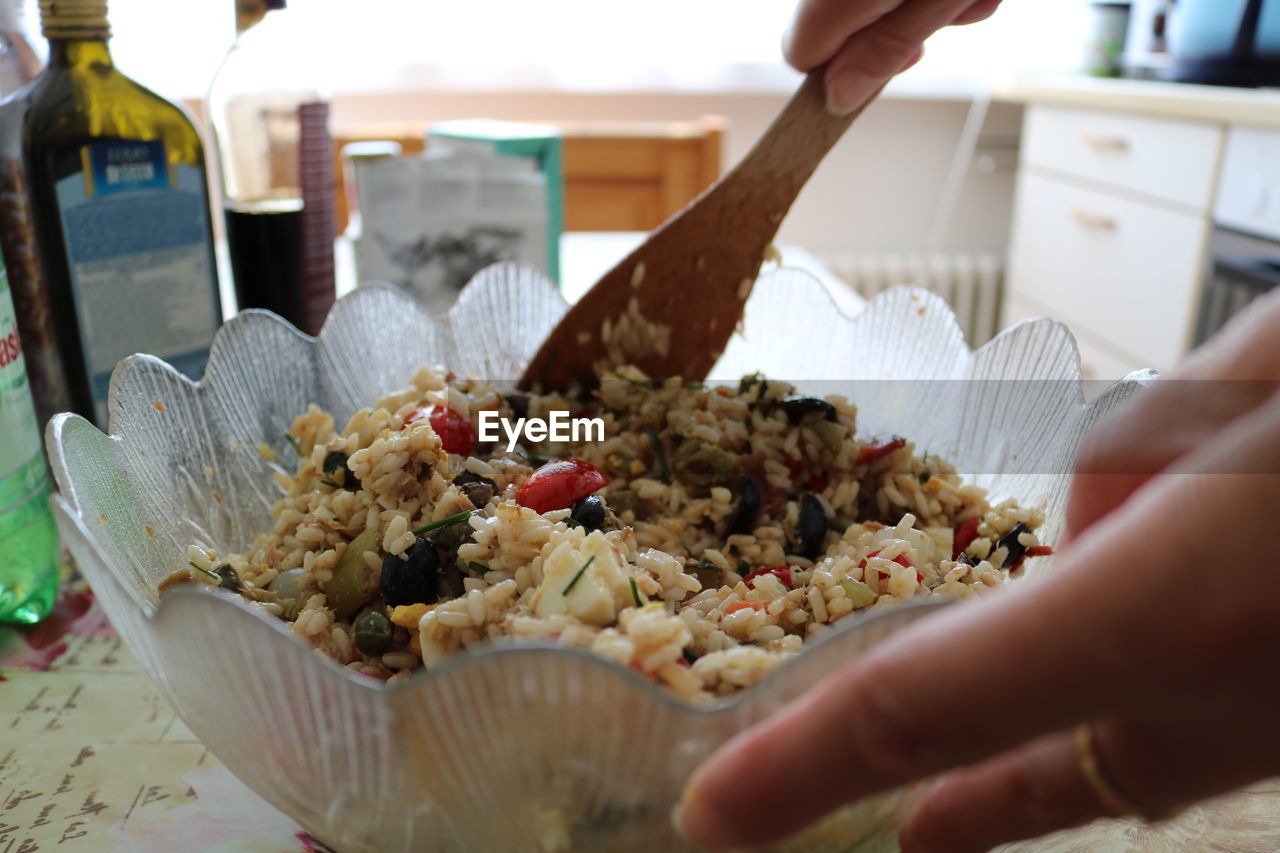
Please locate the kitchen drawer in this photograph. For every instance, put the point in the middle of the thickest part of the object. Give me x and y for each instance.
(1097, 360)
(1124, 272)
(1176, 161)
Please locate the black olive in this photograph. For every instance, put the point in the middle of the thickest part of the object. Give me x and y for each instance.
(811, 527)
(413, 578)
(708, 574)
(1016, 549)
(519, 405)
(479, 490)
(589, 512)
(373, 633)
(335, 463)
(797, 407)
(227, 577)
(743, 519)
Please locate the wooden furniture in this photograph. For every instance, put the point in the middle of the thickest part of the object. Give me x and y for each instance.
(631, 176)
(1114, 211)
(619, 176)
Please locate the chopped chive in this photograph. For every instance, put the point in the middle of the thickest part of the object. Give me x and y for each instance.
(478, 567)
(923, 477)
(572, 522)
(213, 575)
(293, 442)
(444, 522)
(639, 383)
(658, 453)
(532, 458)
(330, 483)
(635, 593)
(689, 656)
(589, 561)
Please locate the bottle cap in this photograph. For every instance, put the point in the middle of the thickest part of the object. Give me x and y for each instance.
(72, 19)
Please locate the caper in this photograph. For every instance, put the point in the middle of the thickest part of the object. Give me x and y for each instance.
(373, 633)
(811, 527)
(452, 536)
(797, 407)
(589, 512)
(479, 490)
(227, 577)
(699, 465)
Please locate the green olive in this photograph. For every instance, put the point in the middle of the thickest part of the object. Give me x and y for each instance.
(373, 633)
(701, 466)
(353, 582)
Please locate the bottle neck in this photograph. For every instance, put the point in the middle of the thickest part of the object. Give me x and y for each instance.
(79, 52)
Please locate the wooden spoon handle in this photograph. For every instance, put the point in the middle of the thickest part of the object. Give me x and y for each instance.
(776, 168)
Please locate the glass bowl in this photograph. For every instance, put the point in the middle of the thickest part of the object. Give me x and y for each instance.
(516, 747)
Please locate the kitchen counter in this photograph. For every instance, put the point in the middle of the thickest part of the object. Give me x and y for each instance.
(1219, 104)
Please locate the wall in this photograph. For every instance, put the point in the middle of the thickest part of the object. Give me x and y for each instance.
(877, 190)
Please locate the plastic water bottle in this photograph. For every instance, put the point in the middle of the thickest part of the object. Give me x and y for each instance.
(29, 550)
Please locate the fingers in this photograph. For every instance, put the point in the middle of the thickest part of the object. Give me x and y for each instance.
(878, 50)
(1034, 790)
(1041, 787)
(820, 27)
(979, 11)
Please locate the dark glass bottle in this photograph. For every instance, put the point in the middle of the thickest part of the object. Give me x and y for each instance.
(275, 157)
(119, 194)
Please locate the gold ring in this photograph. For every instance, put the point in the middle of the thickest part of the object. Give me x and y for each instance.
(1112, 800)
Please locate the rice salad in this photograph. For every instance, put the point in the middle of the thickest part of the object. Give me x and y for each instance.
(702, 542)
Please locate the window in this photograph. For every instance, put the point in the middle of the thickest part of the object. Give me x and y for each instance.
(590, 45)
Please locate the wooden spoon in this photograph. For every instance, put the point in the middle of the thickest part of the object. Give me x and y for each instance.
(695, 272)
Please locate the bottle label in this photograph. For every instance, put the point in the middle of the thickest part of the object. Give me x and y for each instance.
(136, 230)
(19, 434)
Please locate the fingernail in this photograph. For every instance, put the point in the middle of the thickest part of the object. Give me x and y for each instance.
(848, 89)
(690, 821)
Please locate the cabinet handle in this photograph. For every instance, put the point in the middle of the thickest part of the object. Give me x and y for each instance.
(1098, 142)
(1096, 221)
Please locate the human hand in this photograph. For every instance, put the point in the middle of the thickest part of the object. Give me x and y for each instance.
(1157, 627)
(865, 42)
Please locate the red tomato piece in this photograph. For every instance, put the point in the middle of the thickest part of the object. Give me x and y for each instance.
(1039, 551)
(559, 484)
(964, 536)
(456, 434)
(782, 573)
(901, 560)
(872, 452)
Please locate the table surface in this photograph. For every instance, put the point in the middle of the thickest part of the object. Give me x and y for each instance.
(93, 758)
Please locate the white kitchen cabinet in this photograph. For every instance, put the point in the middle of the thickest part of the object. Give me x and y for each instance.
(1111, 230)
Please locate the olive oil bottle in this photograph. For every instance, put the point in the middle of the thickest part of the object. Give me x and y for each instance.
(119, 194)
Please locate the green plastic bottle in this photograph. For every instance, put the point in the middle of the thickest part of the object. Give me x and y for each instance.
(29, 550)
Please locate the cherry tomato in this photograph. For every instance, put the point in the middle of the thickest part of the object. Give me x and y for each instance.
(872, 452)
(901, 560)
(782, 573)
(964, 536)
(559, 484)
(456, 434)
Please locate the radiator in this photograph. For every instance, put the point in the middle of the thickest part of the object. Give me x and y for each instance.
(970, 282)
